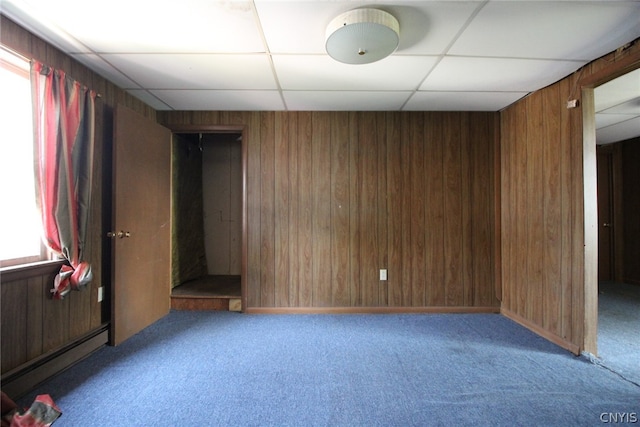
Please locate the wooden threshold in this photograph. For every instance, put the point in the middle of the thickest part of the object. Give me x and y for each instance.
(208, 293)
(199, 303)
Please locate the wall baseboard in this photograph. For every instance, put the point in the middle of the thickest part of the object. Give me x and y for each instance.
(21, 380)
(567, 345)
(368, 310)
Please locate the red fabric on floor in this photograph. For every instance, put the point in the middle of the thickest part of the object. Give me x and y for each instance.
(42, 413)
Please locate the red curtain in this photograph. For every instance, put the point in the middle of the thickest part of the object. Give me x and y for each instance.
(64, 122)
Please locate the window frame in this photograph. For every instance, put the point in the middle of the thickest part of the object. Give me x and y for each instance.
(45, 254)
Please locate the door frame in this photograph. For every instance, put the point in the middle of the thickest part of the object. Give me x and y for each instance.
(590, 200)
(219, 129)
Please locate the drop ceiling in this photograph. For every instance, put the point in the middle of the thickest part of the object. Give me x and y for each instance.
(618, 109)
(270, 55)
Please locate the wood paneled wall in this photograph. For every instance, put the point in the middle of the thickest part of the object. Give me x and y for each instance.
(188, 254)
(32, 323)
(222, 194)
(542, 256)
(332, 197)
(542, 207)
(631, 210)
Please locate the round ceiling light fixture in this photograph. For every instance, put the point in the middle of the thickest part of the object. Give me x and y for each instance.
(362, 36)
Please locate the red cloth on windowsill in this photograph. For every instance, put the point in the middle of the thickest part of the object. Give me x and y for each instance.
(42, 413)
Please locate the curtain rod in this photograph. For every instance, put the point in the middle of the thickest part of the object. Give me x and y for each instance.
(14, 53)
(24, 58)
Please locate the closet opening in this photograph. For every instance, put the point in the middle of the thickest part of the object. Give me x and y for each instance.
(207, 221)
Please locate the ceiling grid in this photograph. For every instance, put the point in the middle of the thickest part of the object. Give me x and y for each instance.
(476, 55)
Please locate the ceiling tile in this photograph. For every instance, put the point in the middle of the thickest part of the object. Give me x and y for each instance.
(196, 71)
(300, 27)
(150, 99)
(618, 91)
(428, 27)
(496, 74)
(629, 107)
(604, 120)
(622, 131)
(456, 52)
(145, 26)
(462, 101)
(321, 72)
(344, 100)
(221, 100)
(105, 69)
(297, 27)
(38, 21)
(549, 29)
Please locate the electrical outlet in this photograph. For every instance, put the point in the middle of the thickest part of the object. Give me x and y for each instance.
(383, 274)
(100, 294)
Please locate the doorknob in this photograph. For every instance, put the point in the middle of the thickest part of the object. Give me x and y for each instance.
(119, 234)
(606, 224)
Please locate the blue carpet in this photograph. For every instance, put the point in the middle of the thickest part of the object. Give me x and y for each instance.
(619, 328)
(227, 369)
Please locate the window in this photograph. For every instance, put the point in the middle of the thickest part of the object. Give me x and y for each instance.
(20, 227)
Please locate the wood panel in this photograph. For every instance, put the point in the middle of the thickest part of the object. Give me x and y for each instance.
(321, 208)
(218, 201)
(355, 180)
(604, 168)
(418, 223)
(405, 211)
(340, 290)
(14, 326)
(452, 175)
(253, 234)
(282, 202)
(577, 291)
(481, 144)
(534, 161)
(627, 236)
(267, 210)
(619, 232)
(235, 210)
(368, 192)
(305, 237)
(567, 210)
(545, 160)
(34, 317)
(32, 323)
(538, 176)
(193, 193)
(552, 205)
(293, 175)
(434, 211)
(394, 208)
(382, 122)
(466, 205)
(336, 196)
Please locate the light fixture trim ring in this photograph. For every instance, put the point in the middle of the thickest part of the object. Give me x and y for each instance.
(362, 36)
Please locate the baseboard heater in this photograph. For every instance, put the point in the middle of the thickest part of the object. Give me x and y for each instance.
(21, 380)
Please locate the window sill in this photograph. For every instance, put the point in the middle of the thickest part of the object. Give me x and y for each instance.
(24, 271)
